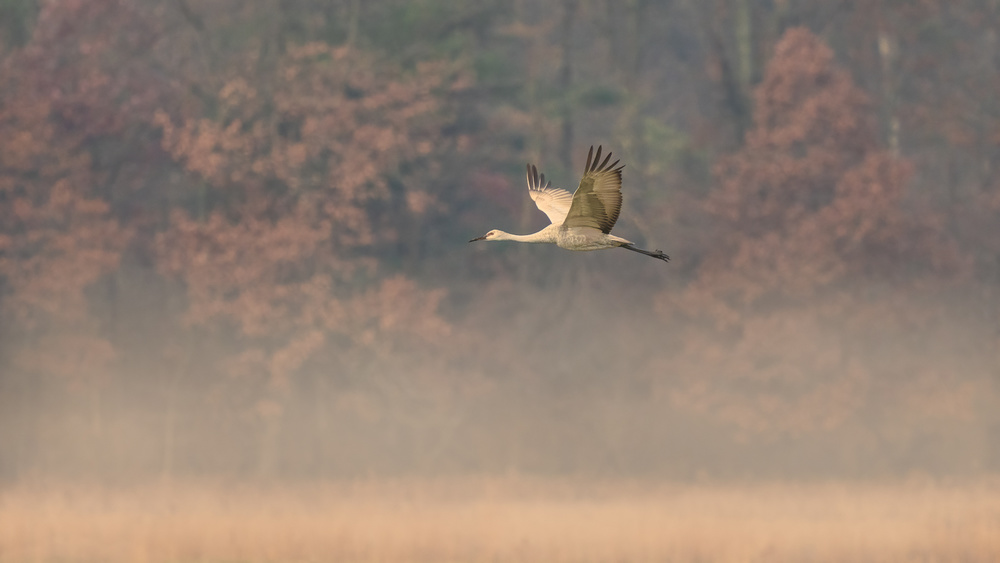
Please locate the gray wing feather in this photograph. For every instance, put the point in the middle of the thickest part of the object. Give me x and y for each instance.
(598, 200)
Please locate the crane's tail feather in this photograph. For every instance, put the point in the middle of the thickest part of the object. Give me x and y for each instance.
(655, 253)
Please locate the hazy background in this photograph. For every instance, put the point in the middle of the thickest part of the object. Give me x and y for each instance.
(233, 239)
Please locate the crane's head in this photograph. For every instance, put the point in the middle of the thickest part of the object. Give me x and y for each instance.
(495, 234)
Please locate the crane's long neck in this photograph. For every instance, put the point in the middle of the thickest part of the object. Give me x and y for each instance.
(545, 235)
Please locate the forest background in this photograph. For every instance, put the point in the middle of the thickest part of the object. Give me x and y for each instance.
(233, 239)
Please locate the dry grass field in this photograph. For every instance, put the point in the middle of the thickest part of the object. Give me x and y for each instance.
(504, 520)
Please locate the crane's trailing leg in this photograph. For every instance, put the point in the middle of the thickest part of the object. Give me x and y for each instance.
(655, 254)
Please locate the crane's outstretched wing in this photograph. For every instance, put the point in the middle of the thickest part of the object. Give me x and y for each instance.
(598, 200)
(554, 202)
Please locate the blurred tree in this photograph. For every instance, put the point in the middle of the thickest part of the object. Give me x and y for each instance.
(809, 214)
(58, 238)
(311, 164)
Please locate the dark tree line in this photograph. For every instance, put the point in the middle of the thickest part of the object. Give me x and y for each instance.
(232, 236)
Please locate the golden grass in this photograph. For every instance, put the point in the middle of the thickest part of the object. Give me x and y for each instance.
(504, 520)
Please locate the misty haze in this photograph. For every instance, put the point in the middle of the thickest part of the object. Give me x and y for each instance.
(241, 319)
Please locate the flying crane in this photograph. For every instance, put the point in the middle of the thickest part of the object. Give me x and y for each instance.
(581, 221)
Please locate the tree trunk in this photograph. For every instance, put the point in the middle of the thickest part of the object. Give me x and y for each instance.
(890, 121)
(169, 429)
(565, 83)
(735, 98)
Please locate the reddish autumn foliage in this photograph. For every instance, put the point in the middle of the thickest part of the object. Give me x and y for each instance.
(301, 159)
(810, 202)
(809, 211)
(298, 159)
(57, 237)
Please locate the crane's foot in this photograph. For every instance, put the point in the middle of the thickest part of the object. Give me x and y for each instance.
(655, 254)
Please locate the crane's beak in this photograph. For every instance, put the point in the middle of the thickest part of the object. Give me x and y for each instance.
(478, 238)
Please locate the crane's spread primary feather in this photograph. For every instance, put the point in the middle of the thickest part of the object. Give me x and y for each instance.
(598, 200)
(553, 202)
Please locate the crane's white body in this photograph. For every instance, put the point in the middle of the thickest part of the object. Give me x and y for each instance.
(581, 221)
(570, 238)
